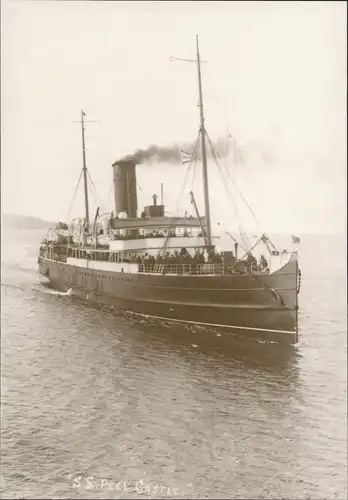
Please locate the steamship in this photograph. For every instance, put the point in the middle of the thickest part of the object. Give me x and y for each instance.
(168, 267)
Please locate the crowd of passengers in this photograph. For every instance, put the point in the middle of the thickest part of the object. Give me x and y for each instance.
(60, 253)
(153, 234)
(184, 257)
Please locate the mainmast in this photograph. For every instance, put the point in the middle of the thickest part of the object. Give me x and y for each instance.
(204, 153)
(84, 168)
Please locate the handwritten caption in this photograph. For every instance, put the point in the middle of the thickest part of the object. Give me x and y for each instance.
(142, 487)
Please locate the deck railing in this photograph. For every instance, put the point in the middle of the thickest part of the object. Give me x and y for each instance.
(182, 269)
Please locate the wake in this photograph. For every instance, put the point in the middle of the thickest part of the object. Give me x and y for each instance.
(46, 287)
(56, 292)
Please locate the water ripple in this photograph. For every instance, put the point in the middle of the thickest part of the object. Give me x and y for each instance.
(98, 404)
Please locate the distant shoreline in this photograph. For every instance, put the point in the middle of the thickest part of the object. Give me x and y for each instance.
(13, 221)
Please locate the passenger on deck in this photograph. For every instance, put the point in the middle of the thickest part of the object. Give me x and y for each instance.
(263, 262)
(251, 259)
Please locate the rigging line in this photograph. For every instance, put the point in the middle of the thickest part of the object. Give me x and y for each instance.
(187, 173)
(164, 246)
(92, 183)
(95, 194)
(252, 248)
(242, 196)
(183, 186)
(76, 188)
(96, 200)
(236, 241)
(234, 183)
(177, 208)
(247, 204)
(195, 156)
(247, 175)
(241, 232)
(162, 250)
(194, 173)
(235, 206)
(172, 58)
(225, 181)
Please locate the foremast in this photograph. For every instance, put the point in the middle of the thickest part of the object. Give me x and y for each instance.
(204, 153)
(84, 168)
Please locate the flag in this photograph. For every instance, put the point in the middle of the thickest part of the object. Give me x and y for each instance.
(296, 239)
(84, 114)
(187, 157)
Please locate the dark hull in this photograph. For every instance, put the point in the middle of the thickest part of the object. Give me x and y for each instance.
(263, 307)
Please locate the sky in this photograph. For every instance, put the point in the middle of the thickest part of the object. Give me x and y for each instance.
(275, 79)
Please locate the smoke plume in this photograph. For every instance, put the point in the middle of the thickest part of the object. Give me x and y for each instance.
(154, 153)
(223, 147)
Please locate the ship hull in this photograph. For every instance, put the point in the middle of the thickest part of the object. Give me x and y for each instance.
(262, 307)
